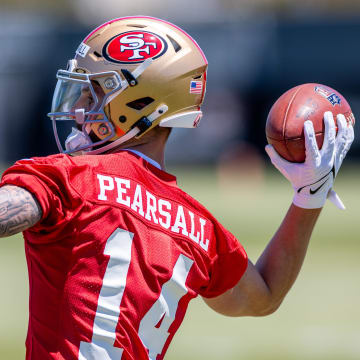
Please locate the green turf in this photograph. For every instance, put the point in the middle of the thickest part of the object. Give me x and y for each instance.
(320, 317)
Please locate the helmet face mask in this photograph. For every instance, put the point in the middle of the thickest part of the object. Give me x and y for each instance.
(79, 99)
(128, 76)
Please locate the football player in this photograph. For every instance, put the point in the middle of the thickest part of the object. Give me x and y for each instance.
(115, 249)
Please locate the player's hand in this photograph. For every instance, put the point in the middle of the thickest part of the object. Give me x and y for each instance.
(313, 180)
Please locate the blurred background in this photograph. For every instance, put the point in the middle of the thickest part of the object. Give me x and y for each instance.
(256, 49)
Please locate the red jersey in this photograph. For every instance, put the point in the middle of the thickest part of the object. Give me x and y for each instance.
(118, 254)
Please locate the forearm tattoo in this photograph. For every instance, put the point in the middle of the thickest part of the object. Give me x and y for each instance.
(18, 210)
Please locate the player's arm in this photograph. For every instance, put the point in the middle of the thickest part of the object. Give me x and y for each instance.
(19, 210)
(264, 285)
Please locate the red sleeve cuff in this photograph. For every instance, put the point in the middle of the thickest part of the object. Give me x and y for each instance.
(227, 271)
(33, 185)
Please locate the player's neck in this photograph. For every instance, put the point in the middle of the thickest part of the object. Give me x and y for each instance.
(155, 153)
(154, 150)
(152, 144)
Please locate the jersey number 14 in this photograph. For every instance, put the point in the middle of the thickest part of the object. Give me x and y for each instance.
(118, 247)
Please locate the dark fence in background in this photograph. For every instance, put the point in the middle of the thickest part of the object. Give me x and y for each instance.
(251, 63)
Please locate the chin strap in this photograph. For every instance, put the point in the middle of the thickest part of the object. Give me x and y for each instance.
(161, 110)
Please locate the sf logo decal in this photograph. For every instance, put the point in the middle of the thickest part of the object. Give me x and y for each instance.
(134, 47)
(137, 45)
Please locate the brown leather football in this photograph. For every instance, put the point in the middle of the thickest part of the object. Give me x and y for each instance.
(285, 122)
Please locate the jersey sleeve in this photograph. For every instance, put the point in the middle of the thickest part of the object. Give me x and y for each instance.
(48, 180)
(228, 266)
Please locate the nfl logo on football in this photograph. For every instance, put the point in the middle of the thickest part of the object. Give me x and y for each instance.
(331, 97)
(334, 99)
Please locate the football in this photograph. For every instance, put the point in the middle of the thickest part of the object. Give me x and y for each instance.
(285, 122)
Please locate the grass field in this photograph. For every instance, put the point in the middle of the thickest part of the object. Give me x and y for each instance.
(320, 318)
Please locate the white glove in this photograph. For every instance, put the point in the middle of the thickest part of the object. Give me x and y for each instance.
(313, 179)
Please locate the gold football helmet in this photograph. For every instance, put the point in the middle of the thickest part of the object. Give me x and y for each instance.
(128, 76)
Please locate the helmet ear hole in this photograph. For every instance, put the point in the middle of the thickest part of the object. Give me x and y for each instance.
(122, 118)
(139, 104)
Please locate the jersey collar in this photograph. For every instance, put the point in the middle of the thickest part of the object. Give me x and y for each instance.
(146, 158)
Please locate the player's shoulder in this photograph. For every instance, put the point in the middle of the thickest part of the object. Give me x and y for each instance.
(57, 166)
(218, 228)
(66, 161)
(36, 165)
(192, 202)
(56, 159)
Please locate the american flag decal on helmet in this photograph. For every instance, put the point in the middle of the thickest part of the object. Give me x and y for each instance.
(196, 87)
